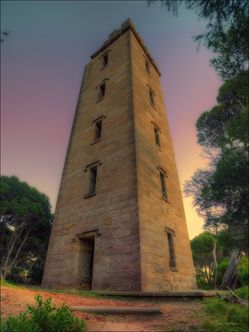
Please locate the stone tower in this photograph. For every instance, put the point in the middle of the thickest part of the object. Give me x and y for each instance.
(119, 222)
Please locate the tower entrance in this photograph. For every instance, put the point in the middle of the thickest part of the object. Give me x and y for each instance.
(86, 263)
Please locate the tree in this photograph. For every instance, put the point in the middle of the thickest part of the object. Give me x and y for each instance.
(222, 124)
(226, 33)
(202, 249)
(25, 227)
(220, 192)
(211, 254)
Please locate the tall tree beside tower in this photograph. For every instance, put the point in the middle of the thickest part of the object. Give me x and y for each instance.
(220, 192)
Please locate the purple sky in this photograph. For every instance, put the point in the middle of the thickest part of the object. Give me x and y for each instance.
(42, 63)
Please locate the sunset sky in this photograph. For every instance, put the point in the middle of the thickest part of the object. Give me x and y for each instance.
(42, 63)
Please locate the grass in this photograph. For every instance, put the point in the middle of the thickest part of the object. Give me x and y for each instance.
(11, 284)
(78, 292)
(220, 316)
(243, 292)
(68, 291)
(225, 317)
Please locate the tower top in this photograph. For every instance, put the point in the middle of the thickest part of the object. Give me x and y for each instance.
(127, 25)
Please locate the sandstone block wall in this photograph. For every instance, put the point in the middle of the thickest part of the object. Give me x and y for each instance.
(122, 228)
(156, 214)
(113, 210)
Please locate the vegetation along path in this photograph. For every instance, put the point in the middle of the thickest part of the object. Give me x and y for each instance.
(181, 315)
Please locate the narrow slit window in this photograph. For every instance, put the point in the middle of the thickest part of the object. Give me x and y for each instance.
(147, 66)
(152, 97)
(172, 258)
(93, 178)
(102, 90)
(157, 136)
(163, 184)
(105, 59)
(98, 129)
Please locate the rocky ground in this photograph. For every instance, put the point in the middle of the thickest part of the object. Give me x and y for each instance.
(177, 315)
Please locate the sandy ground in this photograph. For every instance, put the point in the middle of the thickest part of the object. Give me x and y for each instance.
(177, 316)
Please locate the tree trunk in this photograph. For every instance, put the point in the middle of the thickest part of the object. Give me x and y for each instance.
(2, 276)
(215, 262)
(230, 275)
(13, 249)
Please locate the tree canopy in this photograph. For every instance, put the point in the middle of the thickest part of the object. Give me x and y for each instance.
(220, 191)
(226, 34)
(222, 124)
(25, 227)
(211, 253)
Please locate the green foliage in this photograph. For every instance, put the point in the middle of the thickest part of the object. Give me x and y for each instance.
(83, 293)
(44, 317)
(243, 271)
(19, 324)
(227, 317)
(221, 124)
(202, 250)
(9, 283)
(220, 192)
(203, 282)
(221, 268)
(202, 246)
(225, 243)
(226, 32)
(243, 292)
(230, 45)
(207, 273)
(25, 228)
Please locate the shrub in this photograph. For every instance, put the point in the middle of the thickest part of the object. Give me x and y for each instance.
(243, 292)
(21, 323)
(220, 270)
(243, 270)
(202, 283)
(227, 317)
(44, 317)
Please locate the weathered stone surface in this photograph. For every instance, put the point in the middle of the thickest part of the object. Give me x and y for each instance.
(127, 215)
(118, 310)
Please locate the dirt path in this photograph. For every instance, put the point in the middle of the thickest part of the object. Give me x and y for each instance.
(176, 315)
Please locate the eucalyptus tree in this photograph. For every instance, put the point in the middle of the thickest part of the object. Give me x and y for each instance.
(25, 224)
